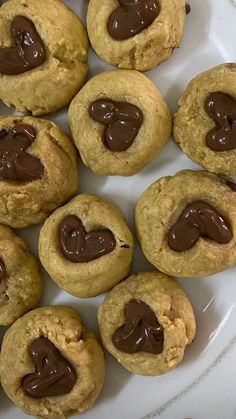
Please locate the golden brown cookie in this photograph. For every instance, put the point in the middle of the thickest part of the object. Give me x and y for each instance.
(69, 381)
(86, 246)
(138, 35)
(20, 278)
(186, 224)
(119, 122)
(205, 123)
(41, 75)
(38, 170)
(146, 322)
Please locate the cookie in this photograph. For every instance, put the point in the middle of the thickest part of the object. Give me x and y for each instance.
(146, 322)
(205, 123)
(50, 364)
(38, 170)
(20, 278)
(42, 75)
(119, 122)
(135, 34)
(86, 246)
(186, 224)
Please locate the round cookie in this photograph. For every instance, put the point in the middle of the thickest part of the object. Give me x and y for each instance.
(137, 35)
(86, 246)
(38, 170)
(186, 224)
(52, 67)
(205, 123)
(75, 363)
(146, 322)
(20, 278)
(119, 122)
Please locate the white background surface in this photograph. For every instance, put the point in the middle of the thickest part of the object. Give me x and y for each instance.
(203, 386)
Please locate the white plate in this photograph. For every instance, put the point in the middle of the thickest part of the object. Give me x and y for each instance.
(203, 386)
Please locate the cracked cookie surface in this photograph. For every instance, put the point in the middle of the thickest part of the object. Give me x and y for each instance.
(145, 50)
(172, 309)
(65, 330)
(26, 203)
(52, 85)
(127, 86)
(192, 124)
(21, 284)
(87, 279)
(160, 207)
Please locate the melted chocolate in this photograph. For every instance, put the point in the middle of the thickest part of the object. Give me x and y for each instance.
(199, 219)
(28, 52)
(232, 185)
(131, 17)
(187, 8)
(123, 121)
(2, 271)
(141, 331)
(221, 108)
(54, 375)
(79, 246)
(15, 163)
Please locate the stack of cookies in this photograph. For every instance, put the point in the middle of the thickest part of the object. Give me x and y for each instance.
(51, 366)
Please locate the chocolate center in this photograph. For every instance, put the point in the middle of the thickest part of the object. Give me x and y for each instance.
(15, 163)
(2, 271)
(122, 121)
(79, 246)
(54, 375)
(199, 219)
(221, 108)
(28, 52)
(141, 331)
(131, 17)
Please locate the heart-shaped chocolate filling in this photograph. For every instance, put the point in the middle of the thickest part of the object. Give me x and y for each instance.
(28, 51)
(141, 331)
(131, 17)
(122, 120)
(54, 375)
(2, 270)
(80, 246)
(199, 219)
(15, 163)
(221, 108)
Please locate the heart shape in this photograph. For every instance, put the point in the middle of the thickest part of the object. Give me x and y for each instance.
(80, 246)
(221, 108)
(123, 121)
(199, 219)
(131, 17)
(54, 375)
(15, 163)
(28, 52)
(141, 331)
(2, 270)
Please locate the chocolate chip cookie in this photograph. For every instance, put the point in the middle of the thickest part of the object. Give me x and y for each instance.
(86, 246)
(51, 366)
(205, 124)
(146, 322)
(20, 278)
(137, 34)
(186, 224)
(119, 122)
(38, 170)
(43, 55)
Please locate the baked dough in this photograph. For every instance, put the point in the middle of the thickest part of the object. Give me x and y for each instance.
(26, 203)
(120, 86)
(65, 330)
(160, 207)
(91, 278)
(52, 85)
(192, 123)
(172, 309)
(21, 283)
(144, 50)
